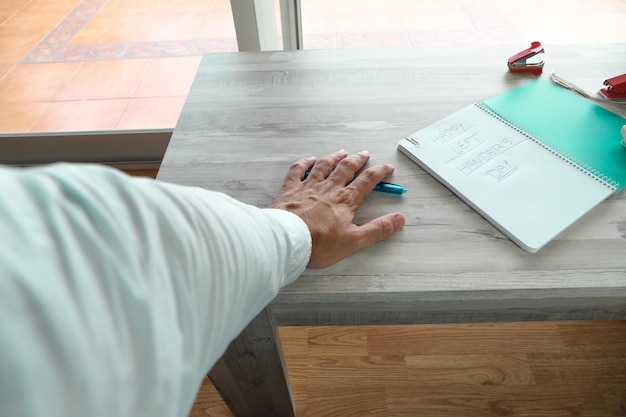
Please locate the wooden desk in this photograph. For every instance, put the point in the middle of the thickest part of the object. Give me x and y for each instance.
(249, 115)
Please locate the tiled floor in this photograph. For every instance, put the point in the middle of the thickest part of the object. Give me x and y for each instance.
(69, 65)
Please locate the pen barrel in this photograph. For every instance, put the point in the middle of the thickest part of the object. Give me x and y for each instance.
(389, 188)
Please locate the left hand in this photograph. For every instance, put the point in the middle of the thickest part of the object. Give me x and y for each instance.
(327, 201)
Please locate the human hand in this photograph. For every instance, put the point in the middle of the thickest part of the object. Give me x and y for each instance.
(327, 201)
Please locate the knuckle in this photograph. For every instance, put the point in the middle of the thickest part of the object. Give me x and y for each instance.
(324, 164)
(369, 175)
(298, 164)
(350, 164)
(386, 228)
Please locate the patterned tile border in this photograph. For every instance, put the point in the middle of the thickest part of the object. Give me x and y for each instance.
(56, 47)
(53, 47)
(491, 28)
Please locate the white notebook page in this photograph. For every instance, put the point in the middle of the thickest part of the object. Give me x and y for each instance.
(526, 191)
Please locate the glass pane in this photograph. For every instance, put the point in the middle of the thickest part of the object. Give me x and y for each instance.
(72, 65)
(414, 23)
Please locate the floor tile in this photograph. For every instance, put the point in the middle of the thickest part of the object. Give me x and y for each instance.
(36, 82)
(547, 7)
(169, 27)
(98, 30)
(13, 5)
(200, 7)
(373, 40)
(320, 41)
(88, 115)
(166, 38)
(169, 77)
(5, 69)
(15, 45)
(66, 5)
(447, 38)
(53, 47)
(568, 29)
(105, 79)
(20, 117)
(490, 24)
(33, 22)
(129, 6)
(151, 113)
(427, 4)
(601, 6)
(218, 24)
(208, 46)
(436, 20)
(608, 27)
(317, 21)
(5, 14)
(361, 21)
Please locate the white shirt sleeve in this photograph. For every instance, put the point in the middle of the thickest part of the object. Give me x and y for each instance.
(118, 294)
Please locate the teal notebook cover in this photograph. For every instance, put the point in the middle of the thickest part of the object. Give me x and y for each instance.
(531, 161)
(570, 125)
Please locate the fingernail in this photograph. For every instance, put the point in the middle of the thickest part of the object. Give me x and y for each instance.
(364, 153)
(399, 221)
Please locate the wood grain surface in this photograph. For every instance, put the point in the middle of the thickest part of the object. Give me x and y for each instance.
(249, 115)
(537, 369)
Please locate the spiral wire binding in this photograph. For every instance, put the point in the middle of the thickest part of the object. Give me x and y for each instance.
(576, 163)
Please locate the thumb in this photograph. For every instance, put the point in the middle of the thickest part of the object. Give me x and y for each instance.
(381, 228)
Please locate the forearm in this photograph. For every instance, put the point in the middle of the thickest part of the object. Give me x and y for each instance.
(138, 287)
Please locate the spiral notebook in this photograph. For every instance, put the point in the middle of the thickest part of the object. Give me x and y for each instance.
(531, 161)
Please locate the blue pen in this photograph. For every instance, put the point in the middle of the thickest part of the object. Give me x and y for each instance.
(383, 187)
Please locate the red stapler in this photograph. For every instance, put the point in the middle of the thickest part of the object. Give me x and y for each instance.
(520, 61)
(615, 88)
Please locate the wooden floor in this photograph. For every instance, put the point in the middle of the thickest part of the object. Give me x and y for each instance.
(542, 369)
(549, 369)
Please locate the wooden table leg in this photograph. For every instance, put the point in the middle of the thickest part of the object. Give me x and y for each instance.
(251, 377)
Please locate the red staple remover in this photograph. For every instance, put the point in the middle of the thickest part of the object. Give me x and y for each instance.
(519, 61)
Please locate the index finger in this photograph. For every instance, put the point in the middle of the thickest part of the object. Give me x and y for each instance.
(296, 172)
(365, 182)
